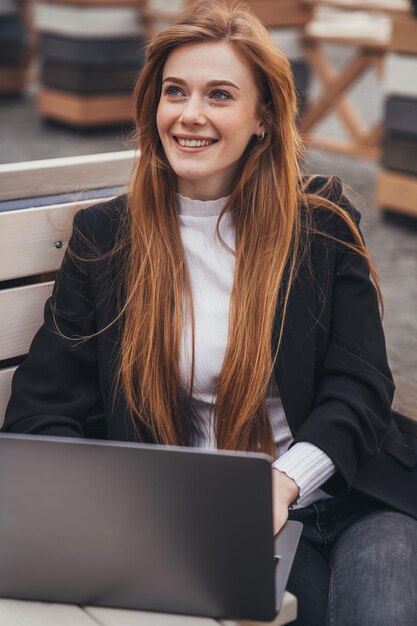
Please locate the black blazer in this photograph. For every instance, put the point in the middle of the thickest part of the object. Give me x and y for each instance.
(335, 383)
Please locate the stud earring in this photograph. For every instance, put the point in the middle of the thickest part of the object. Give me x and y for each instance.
(261, 137)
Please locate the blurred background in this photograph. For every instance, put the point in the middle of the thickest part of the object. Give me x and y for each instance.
(67, 70)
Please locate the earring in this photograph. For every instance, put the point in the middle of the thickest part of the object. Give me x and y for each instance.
(261, 137)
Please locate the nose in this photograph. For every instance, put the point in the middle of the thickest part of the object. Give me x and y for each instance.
(192, 112)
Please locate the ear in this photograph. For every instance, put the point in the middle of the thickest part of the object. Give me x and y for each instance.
(262, 127)
(265, 117)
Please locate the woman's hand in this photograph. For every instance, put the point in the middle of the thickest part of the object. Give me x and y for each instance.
(284, 492)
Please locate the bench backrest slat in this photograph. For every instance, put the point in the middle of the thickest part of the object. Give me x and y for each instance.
(28, 238)
(67, 174)
(6, 376)
(21, 314)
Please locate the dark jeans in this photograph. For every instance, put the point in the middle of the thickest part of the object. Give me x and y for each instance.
(356, 564)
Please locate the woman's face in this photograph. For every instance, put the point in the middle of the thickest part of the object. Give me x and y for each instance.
(206, 116)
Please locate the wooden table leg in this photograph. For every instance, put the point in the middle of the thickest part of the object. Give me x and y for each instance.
(327, 75)
(362, 141)
(334, 90)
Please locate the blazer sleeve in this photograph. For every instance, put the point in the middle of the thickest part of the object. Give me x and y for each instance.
(353, 383)
(55, 391)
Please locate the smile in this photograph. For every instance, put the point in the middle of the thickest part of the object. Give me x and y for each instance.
(194, 143)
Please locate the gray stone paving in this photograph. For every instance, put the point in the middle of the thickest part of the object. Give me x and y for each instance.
(394, 249)
(25, 137)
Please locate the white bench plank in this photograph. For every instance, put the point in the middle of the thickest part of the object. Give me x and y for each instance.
(118, 617)
(21, 314)
(66, 174)
(22, 613)
(6, 376)
(121, 617)
(28, 236)
(25, 613)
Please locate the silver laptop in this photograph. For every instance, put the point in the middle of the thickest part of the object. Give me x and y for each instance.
(169, 529)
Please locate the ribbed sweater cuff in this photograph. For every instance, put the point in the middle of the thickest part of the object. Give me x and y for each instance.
(309, 466)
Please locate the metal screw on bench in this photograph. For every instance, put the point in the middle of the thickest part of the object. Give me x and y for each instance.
(58, 244)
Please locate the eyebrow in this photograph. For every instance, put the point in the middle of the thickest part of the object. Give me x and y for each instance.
(211, 83)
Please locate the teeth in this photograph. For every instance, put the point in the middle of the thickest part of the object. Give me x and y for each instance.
(194, 143)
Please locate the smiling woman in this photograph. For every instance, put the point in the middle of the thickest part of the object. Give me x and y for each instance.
(211, 110)
(227, 301)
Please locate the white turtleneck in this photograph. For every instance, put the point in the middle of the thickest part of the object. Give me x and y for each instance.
(211, 270)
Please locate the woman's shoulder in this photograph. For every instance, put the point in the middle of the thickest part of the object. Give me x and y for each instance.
(100, 223)
(320, 192)
(104, 215)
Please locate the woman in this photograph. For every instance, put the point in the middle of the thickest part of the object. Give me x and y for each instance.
(226, 301)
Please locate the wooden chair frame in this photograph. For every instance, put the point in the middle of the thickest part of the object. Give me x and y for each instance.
(362, 141)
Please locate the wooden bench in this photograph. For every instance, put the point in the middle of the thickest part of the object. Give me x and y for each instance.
(21, 613)
(33, 239)
(37, 201)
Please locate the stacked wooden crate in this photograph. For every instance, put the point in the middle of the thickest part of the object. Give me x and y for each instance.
(286, 19)
(91, 52)
(397, 185)
(13, 49)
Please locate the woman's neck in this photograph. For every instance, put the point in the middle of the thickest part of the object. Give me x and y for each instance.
(200, 208)
(203, 190)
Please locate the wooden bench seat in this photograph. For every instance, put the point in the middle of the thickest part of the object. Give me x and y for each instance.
(22, 613)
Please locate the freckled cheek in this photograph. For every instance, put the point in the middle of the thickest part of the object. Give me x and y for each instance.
(164, 120)
(231, 126)
(236, 137)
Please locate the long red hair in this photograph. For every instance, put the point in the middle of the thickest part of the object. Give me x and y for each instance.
(267, 199)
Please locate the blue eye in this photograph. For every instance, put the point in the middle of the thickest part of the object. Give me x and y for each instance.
(171, 90)
(217, 94)
(224, 94)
